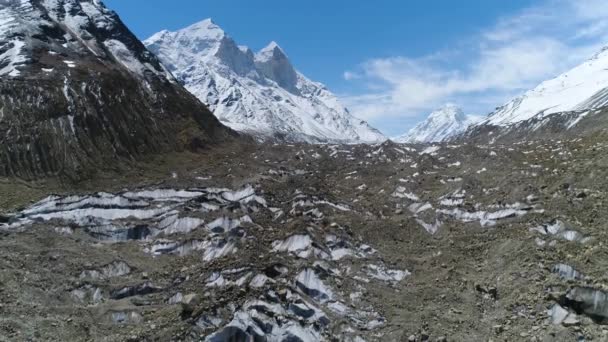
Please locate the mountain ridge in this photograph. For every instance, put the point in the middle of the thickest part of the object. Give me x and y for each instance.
(79, 92)
(259, 93)
(584, 87)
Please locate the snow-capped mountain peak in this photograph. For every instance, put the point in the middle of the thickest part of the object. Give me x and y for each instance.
(448, 112)
(261, 93)
(440, 125)
(271, 51)
(582, 88)
(205, 30)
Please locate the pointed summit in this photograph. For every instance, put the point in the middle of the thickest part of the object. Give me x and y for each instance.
(206, 26)
(203, 39)
(448, 111)
(271, 51)
(440, 125)
(202, 33)
(273, 63)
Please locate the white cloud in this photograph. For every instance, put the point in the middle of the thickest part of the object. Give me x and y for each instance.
(349, 76)
(514, 55)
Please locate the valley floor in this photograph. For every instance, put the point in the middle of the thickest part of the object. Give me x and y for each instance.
(304, 243)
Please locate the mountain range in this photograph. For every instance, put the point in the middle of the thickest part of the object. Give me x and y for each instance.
(78, 88)
(259, 93)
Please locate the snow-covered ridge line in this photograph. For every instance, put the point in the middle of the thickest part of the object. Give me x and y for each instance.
(583, 88)
(88, 27)
(258, 93)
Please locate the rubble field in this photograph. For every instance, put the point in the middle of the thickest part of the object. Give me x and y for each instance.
(385, 242)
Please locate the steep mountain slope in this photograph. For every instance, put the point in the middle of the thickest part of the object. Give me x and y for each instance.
(78, 90)
(259, 93)
(441, 124)
(582, 88)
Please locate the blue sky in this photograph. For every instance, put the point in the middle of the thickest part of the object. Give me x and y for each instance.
(394, 61)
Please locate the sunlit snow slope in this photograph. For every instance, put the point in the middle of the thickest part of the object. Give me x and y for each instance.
(582, 88)
(260, 93)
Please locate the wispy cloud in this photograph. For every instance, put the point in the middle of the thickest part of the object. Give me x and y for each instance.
(483, 71)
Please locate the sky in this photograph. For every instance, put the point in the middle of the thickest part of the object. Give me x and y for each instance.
(392, 62)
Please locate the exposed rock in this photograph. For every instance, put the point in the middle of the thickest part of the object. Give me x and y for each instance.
(88, 94)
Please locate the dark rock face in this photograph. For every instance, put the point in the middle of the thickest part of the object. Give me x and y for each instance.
(88, 95)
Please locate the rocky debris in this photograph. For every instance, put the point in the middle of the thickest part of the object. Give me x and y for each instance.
(114, 269)
(489, 292)
(126, 317)
(88, 294)
(189, 303)
(307, 255)
(300, 288)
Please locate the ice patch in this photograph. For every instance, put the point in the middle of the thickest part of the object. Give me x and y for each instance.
(246, 326)
(451, 202)
(260, 281)
(431, 228)
(402, 192)
(417, 208)
(311, 285)
(227, 224)
(13, 57)
(559, 315)
(432, 150)
(562, 231)
(483, 217)
(381, 273)
(566, 272)
(292, 244)
(218, 249)
(174, 224)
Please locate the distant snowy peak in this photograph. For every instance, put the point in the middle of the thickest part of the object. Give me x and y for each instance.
(449, 112)
(582, 88)
(440, 125)
(261, 93)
